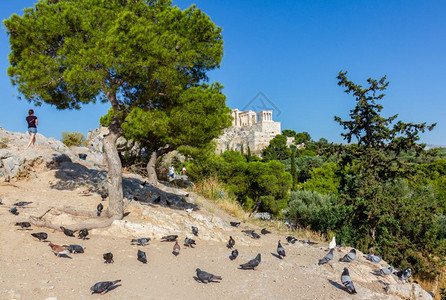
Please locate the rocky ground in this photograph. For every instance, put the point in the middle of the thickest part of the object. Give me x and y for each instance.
(30, 270)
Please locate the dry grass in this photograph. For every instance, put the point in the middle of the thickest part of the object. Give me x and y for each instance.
(434, 286)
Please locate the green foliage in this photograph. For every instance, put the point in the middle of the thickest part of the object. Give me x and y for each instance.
(324, 180)
(73, 138)
(277, 149)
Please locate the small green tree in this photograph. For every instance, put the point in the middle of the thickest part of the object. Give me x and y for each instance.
(73, 138)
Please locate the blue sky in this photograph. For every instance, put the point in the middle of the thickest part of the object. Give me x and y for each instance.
(291, 51)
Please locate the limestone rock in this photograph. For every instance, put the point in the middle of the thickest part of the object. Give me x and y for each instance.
(408, 291)
(10, 294)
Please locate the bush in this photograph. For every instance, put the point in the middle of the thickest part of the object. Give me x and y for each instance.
(73, 138)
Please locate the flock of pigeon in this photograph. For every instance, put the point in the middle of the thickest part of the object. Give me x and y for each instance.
(203, 276)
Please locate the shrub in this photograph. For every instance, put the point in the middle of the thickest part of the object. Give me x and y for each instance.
(73, 138)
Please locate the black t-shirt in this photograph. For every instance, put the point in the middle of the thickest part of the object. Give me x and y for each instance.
(31, 121)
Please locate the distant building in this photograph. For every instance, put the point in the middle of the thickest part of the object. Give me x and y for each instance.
(249, 129)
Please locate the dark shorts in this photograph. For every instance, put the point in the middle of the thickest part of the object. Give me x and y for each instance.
(32, 130)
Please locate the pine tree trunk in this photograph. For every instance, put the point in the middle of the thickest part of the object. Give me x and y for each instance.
(114, 178)
(151, 171)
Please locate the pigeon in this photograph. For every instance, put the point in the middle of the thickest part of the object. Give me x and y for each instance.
(108, 257)
(308, 242)
(176, 249)
(231, 242)
(234, 254)
(265, 231)
(169, 238)
(22, 203)
(195, 230)
(404, 275)
(252, 264)
(291, 239)
(251, 233)
(74, 248)
(373, 258)
(57, 249)
(104, 196)
(332, 244)
(189, 242)
(142, 256)
(206, 277)
(40, 235)
(140, 241)
(13, 210)
(347, 281)
(384, 271)
(23, 224)
(327, 258)
(67, 231)
(235, 224)
(103, 287)
(349, 257)
(99, 208)
(280, 250)
(83, 234)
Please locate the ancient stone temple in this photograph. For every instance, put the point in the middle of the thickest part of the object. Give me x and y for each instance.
(249, 128)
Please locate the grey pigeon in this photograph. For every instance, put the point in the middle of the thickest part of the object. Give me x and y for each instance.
(308, 242)
(291, 239)
(22, 203)
(169, 238)
(99, 208)
(231, 242)
(252, 264)
(206, 277)
(280, 250)
(176, 248)
(23, 224)
(251, 233)
(142, 256)
(67, 231)
(404, 275)
(349, 257)
(103, 287)
(347, 281)
(108, 257)
(83, 234)
(235, 224)
(264, 231)
(189, 242)
(384, 271)
(74, 248)
(40, 235)
(141, 241)
(13, 210)
(104, 196)
(234, 254)
(327, 258)
(373, 258)
(195, 230)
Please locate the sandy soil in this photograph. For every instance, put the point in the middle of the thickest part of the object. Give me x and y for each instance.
(29, 269)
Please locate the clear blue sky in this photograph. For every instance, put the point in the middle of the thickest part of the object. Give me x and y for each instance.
(291, 51)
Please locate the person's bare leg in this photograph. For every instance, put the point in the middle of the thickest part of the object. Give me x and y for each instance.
(31, 139)
(34, 140)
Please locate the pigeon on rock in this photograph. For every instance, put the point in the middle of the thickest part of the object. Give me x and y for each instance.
(142, 256)
(103, 287)
(108, 257)
(349, 257)
(235, 224)
(195, 230)
(22, 203)
(206, 277)
(67, 231)
(23, 224)
(41, 236)
(104, 196)
(347, 281)
(384, 271)
(74, 248)
(332, 244)
(176, 248)
(57, 249)
(280, 250)
(373, 258)
(13, 210)
(169, 238)
(327, 258)
(99, 208)
(291, 239)
(252, 264)
(265, 231)
(189, 242)
(231, 242)
(234, 254)
(83, 234)
(404, 275)
(140, 241)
